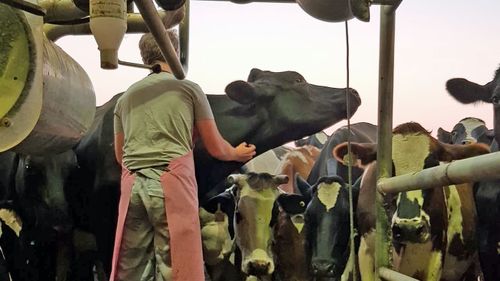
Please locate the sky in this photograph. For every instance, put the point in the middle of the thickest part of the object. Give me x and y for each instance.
(435, 40)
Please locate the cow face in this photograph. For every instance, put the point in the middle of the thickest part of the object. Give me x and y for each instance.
(216, 240)
(468, 130)
(469, 92)
(40, 182)
(284, 100)
(327, 223)
(290, 238)
(254, 217)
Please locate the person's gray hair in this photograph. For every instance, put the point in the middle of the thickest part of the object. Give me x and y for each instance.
(150, 52)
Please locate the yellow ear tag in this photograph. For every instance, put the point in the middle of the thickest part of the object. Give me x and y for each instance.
(347, 159)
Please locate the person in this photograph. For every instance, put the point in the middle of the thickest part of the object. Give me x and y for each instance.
(158, 232)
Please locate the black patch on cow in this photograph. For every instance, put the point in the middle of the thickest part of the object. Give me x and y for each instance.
(292, 203)
(408, 209)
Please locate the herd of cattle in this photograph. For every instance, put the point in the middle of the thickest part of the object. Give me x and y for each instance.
(284, 215)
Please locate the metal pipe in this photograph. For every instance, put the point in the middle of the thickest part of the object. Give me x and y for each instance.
(384, 135)
(60, 10)
(135, 24)
(184, 37)
(479, 168)
(254, 1)
(391, 275)
(157, 29)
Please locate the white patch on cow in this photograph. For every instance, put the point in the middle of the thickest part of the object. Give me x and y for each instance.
(418, 258)
(328, 194)
(12, 220)
(366, 256)
(408, 155)
(254, 239)
(299, 155)
(264, 163)
(322, 137)
(470, 124)
(455, 219)
(298, 222)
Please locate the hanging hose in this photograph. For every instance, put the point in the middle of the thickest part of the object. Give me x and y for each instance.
(349, 164)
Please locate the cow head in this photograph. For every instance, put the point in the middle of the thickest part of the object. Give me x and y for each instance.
(280, 101)
(468, 130)
(327, 224)
(290, 238)
(216, 240)
(254, 217)
(417, 216)
(40, 185)
(466, 92)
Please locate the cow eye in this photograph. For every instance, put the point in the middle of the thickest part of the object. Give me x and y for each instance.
(299, 80)
(453, 133)
(495, 100)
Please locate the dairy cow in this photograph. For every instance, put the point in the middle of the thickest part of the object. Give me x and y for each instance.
(466, 131)
(261, 110)
(254, 218)
(433, 230)
(487, 192)
(327, 165)
(298, 161)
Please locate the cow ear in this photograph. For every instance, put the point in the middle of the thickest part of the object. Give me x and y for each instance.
(443, 135)
(465, 91)
(223, 201)
(450, 152)
(366, 152)
(280, 179)
(292, 203)
(303, 186)
(241, 92)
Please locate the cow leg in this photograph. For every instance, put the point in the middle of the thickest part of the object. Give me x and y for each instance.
(366, 254)
(63, 258)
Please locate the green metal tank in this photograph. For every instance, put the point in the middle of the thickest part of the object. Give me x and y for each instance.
(47, 101)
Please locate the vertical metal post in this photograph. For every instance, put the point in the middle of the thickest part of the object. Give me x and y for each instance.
(384, 136)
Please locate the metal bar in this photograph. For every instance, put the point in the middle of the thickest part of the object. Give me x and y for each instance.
(156, 27)
(254, 1)
(135, 24)
(384, 134)
(59, 10)
(184, 37)
(391, 275)
(480, 168)
(386, 2)
(26, 6)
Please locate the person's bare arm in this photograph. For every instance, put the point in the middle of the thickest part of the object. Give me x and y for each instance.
(119, 139)
(218, 147)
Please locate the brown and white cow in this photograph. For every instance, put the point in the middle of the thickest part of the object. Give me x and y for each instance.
(254, 216)
(297, 161)
(433, 230)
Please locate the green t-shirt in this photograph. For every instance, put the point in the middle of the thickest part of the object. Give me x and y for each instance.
(157, 116)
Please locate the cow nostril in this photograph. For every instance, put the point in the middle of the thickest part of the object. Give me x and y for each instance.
(396, 232)
(420, 230)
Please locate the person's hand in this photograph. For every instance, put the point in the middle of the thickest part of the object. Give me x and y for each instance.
(244, 152)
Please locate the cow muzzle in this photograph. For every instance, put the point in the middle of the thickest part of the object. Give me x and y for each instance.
(259, 264)
(324, 268)
(412, 231)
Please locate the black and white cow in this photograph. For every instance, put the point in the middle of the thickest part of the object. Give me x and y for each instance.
(433, 230)
(263, 111)
(327, 165)
(466, 131)
(487, 192)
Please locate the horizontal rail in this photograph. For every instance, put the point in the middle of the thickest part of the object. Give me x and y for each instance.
(480, 168)
(391, 275)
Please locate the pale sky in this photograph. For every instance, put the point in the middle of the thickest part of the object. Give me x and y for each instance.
(435, 40)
